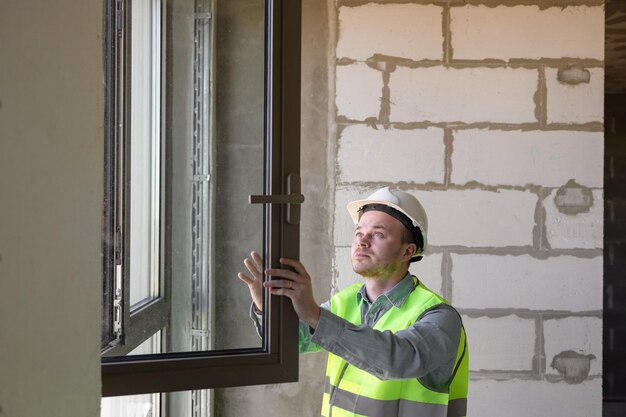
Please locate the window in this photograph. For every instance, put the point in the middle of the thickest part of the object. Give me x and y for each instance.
(136, 405)
(136, 299)
(201, 166)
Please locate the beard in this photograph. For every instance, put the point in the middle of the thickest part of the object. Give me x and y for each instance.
(369, 271)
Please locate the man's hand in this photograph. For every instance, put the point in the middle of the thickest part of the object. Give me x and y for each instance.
(296, 285)
(255, 282)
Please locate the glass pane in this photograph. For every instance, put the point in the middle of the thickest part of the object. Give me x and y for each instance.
(145, 150)
(217, 150)
(239, 163)
(146, 405)
(197, 154)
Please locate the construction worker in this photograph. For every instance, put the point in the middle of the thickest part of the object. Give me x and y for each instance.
(395, 348)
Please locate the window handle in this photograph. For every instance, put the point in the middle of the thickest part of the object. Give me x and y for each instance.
(293, 199)
(277, 199)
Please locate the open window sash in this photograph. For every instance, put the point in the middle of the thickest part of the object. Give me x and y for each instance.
(277, 360)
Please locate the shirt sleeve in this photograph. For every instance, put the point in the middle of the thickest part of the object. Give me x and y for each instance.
(257, 319)
(305, 335)
(427, 348)
(305, 345)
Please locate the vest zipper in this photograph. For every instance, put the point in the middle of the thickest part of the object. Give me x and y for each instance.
(331, 400)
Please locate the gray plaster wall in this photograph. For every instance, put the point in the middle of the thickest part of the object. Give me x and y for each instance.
(497, 107)
(51, 156)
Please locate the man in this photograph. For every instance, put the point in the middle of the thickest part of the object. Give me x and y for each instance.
(395, 348)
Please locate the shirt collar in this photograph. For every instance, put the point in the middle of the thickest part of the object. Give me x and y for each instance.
(396, 295)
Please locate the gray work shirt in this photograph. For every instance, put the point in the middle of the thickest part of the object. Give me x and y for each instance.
(426, 350)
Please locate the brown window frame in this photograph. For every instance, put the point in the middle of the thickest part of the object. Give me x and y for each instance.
(277, 360)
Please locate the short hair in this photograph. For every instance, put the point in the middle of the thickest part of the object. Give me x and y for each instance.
(407, 236)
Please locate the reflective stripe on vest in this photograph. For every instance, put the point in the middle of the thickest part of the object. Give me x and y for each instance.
(353, 392)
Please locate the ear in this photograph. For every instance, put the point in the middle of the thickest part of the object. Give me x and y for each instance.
(409, 251)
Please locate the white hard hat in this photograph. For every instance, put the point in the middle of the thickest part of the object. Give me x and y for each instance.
(401, 201)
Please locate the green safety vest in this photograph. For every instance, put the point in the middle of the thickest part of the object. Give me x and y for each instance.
(352, 392)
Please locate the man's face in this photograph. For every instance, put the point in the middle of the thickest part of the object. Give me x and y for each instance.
(377, 248)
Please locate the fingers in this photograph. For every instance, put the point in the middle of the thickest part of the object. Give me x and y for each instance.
(299, 273)
(255, 266)
(295, 284)
(254, 279)
(255, 276)
(280, 283)
(297, 265)
(283, 273)
(292, 283)
(257, 259)
(251, 266)
(286, 287)
(282, 291)
(245, 278)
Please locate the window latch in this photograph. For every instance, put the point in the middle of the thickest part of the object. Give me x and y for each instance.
(292, 199)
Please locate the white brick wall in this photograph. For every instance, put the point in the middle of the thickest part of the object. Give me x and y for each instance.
(375, 29)
(428, 270)
(438, 94)
(502, 32)
(584, 230)
(575, 103)
(499, 77)
(562, 283)
(582, 335)
(358, 91)
(343, 275)
(490, 351)
(368, 154)
(343, 226)
(476, 218)
(521, 398)
(547, 158)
